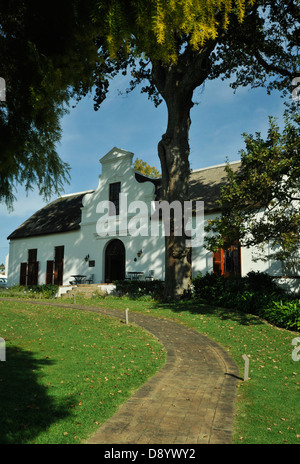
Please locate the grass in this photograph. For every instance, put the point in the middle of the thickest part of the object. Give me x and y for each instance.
(66, 372)
(267, 407)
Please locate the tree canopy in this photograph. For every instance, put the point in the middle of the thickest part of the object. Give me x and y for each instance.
(47, 56)
(260, 203)
(256, 41)
(145, 168)
(159, 28)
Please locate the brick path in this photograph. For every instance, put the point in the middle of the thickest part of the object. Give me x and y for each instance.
(189, 401)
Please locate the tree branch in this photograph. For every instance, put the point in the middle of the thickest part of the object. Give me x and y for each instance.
(271, 67)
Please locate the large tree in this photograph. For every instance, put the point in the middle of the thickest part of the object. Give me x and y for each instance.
(174, 47)
(260, 203)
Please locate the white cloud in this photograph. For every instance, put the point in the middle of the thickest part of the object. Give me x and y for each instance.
(24, 206)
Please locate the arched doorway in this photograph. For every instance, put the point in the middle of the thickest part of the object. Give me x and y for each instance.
(114, 261)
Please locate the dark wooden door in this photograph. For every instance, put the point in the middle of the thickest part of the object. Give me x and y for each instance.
(233, 261)
(49, 272)
(23, 274)
(59, 265)
(114, 261)
(32, 267)
(32, 273)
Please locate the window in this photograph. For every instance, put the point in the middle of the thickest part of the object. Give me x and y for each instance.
(32, 255)
(114, 198)
(55, 268)
(227, 262)
(33, 267)
(29, 271)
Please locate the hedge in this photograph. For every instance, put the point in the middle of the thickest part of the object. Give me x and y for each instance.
(31, 291)
(140, 288)
(257, 293)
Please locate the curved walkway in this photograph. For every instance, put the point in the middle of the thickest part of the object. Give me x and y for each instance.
(189, 401)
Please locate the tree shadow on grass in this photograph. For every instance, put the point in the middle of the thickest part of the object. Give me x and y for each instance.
(202, 308)
(26, 408)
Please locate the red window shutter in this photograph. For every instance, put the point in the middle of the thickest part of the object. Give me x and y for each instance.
(218, 262)
(227, 262)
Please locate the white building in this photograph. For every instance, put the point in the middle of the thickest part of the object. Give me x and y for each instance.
(66, 237)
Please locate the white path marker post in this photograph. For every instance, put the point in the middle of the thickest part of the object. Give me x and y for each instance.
(246, 369)
(2, 349)
(126, 315)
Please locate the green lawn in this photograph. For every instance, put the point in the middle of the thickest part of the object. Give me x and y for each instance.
(268, 407)
(67, 371)
(49, 346)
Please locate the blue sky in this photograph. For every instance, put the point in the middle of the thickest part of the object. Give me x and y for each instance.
(133, 123)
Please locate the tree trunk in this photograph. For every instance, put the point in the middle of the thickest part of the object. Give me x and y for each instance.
(176, 84)
(173, 152)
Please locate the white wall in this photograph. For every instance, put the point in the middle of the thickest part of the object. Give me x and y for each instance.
(18, 254)
(117, 167)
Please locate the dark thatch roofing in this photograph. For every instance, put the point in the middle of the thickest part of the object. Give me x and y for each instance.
(64, 214)
(205, 185)
(61, 215)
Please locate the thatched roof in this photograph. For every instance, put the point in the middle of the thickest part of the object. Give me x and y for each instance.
(205, 185)
(64, 213)
(61, 215)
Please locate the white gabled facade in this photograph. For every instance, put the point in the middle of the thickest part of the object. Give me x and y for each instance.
(86, 242)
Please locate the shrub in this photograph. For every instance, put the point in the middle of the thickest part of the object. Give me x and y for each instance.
(284, 313)
(217, 289)
(32, 291)
(262, 282)
(257, 293)
(46, 291)
(140, 288)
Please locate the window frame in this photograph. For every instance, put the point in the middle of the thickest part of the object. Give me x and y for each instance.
(114, 198)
